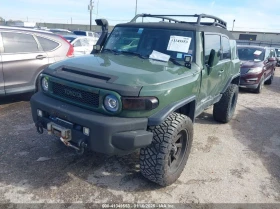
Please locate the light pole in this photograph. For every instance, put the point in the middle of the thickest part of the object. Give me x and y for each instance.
(233, 24)
(136, 8)
(97, 9)
(90, 8)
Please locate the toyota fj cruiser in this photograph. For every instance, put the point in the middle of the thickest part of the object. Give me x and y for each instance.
(142, 87)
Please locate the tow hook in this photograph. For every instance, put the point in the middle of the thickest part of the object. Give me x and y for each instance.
(39, 127)
(79, 149)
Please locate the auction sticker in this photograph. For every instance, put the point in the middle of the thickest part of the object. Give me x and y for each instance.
(257, 52)
(179, 44)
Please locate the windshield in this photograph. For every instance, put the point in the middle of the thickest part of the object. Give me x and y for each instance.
(277, 52)
(143, 41)
(253, 54)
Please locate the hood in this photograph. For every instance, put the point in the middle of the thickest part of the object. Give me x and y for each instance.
(126, 70)
(245, 65)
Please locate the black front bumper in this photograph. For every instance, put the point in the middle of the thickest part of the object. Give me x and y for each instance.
(108, 134)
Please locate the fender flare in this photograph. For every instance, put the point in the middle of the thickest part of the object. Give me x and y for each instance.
(160, 116)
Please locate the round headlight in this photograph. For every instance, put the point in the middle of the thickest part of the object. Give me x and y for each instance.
(45, 84)
(111, 103)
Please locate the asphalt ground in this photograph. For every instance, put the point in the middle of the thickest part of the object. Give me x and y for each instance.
(238, 162)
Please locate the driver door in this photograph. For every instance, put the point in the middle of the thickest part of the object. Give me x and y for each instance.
(211, 78)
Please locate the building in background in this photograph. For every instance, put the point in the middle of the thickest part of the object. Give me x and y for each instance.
(257, 38)
(21, 24)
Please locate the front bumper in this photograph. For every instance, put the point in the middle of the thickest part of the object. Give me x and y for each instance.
(108, 135)
(250, 81)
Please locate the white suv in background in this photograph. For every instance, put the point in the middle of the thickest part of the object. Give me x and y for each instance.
(86, 33)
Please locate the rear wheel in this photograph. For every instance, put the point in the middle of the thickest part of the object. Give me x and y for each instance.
(164, 160)
(224, 109)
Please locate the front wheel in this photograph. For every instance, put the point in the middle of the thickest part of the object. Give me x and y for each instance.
(164, 160)
(259, 89)
(269, 81)
(224, 109)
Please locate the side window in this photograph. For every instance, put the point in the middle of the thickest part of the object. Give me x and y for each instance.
(84, 42)
(212, 41)
(47, 44)
(91, 41)
(19, 43)
(267, 53)
(226, 48)
(234, 54)
(272, 53)
(77, 43)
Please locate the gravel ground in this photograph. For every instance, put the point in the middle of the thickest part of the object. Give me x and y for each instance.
(238, 162)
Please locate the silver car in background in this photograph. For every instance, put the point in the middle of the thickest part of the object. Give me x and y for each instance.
(24, 53)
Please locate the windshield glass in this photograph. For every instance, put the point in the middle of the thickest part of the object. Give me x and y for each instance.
(143, 41)
(277, 52)
(253, 54)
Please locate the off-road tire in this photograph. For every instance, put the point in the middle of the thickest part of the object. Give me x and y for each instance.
(259, 89)
(156, 159)
(224, 109)
(269, 81)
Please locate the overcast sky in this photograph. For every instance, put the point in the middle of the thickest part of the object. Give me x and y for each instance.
(249, 15)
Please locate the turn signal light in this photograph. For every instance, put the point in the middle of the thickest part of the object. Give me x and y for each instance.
(139, 103)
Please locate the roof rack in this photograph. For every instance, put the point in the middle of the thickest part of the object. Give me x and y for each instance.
(217, 21)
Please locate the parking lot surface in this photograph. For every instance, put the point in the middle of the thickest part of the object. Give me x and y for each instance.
(238, 162)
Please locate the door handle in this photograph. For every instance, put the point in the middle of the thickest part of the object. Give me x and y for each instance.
(40, 57)
(221, 71)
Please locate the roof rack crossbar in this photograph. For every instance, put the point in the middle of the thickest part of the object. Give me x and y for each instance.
(217, 21)
(163, 17)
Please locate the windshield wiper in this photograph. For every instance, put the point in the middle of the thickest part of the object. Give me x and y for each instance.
(112, 51)
(135, 54)
(116, 52)
(174, 61)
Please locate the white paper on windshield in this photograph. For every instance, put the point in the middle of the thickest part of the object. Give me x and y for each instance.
(179, 44)
(257, 52)
(159, 56)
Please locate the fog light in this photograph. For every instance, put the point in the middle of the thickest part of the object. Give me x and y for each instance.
(40, 113)
(86, 131)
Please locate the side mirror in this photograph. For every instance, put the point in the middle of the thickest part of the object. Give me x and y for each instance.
(214, 58)
(272, 59)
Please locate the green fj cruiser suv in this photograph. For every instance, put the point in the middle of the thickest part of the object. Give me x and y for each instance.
(142, 88)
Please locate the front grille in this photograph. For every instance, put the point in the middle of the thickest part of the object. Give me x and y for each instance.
(76, 95)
